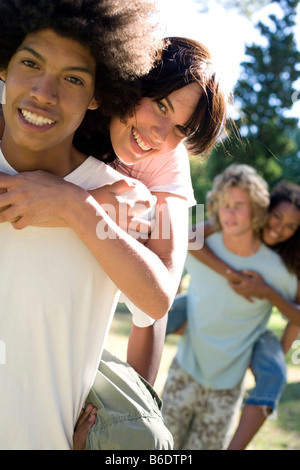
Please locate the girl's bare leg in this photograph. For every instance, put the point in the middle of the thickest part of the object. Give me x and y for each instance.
(252, 418)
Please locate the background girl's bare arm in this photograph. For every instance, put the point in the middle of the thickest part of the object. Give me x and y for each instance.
(210, 259)
(292, 329)
(255, 286)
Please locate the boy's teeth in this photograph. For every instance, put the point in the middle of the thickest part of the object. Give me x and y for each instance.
(35, 119)
(140, 143)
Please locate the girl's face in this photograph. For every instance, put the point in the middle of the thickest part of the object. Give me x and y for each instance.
(283, 221)
(157, 127)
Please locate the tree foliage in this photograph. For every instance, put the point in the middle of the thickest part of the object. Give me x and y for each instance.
(269, 136)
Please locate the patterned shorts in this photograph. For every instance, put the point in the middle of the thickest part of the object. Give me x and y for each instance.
(199, 418)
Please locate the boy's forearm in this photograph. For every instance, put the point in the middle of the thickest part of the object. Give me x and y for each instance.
(136, 271)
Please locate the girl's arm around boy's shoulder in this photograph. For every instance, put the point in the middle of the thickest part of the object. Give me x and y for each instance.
(207, 256)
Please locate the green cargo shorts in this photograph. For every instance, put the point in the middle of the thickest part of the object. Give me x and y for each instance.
(129, 410)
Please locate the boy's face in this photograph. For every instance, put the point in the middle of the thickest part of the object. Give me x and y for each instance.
(235, 212)
(49, 86)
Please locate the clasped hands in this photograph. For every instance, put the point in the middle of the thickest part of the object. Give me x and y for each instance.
(247, 283)
(39, 198)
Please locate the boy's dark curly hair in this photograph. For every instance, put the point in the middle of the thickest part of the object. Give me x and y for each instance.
(121, 36)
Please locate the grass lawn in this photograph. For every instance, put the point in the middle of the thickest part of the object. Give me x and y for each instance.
(282, 433)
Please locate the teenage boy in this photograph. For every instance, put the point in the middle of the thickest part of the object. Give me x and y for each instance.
(203, 392)
(56, 299)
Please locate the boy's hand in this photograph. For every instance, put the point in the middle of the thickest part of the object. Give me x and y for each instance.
(2, 191)
(33, 198)
(38, 198)
(86, 420)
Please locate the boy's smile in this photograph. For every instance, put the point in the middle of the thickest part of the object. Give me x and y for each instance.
(49, 87)
(36, 120)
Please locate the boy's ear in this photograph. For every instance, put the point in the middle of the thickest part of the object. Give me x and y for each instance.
(93, 104)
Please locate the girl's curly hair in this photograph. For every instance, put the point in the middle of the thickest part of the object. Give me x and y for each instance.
(244, 177)
(121, 36)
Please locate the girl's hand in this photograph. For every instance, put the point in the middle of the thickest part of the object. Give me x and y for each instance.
(253, 285)
(235, 277)
(129, 203)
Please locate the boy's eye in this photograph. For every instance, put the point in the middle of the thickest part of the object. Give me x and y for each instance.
(75, 80)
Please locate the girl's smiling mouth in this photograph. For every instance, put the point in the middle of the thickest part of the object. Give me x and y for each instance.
(143, 145)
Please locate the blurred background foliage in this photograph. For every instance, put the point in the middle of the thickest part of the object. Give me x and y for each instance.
(263, 132)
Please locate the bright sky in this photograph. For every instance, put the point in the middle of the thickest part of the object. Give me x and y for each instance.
(224, 37)
(224, 32)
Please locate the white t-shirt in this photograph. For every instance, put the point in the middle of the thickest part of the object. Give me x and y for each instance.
(56, 308)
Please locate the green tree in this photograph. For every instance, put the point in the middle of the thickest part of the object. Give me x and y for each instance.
(263, 97)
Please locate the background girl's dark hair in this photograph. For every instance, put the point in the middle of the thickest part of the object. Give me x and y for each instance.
(285, 191)
(121, 36)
